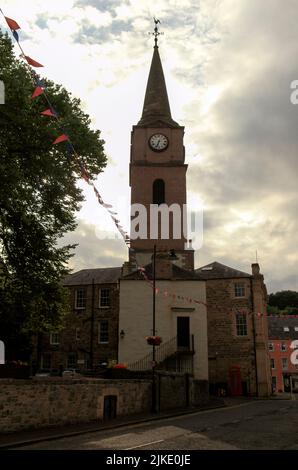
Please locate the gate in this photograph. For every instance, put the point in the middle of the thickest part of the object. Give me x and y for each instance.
(110, 407)
(235, 381)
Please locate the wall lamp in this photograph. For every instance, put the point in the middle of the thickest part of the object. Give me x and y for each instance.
(122, 334)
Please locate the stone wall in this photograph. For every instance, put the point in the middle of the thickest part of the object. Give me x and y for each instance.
(175, 390)
(37, 403)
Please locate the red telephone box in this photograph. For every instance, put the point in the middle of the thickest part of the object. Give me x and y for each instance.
(235, 381)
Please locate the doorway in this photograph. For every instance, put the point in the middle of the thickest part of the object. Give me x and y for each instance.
(110, 407)
(183, 335)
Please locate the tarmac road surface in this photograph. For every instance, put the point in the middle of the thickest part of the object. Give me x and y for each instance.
(257, 424)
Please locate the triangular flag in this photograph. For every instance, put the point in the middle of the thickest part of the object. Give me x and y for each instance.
(12, 23)
(61, 138)
(32, 62)
(38, 91)
(15, 35)
(48, 112)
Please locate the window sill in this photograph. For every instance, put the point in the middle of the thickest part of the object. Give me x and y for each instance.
(80, 308)
(105, 307)
(103, 342)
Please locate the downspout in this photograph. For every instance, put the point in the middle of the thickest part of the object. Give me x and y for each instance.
(92, 325)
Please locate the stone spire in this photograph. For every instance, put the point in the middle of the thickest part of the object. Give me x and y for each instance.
(156, 110)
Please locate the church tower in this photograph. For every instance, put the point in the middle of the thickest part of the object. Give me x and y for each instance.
(158, 175)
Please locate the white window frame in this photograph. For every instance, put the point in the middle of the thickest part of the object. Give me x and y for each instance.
(271, 346)
(109, 297)
(237, 287)
(282, 363)
(244, 324)
(76, 298)
(99, 331)
(272, 359)
(54, 342)
(286, 328)
(295, 328)
(283, 347)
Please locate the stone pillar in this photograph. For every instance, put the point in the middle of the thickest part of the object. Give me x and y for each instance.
(259, 297)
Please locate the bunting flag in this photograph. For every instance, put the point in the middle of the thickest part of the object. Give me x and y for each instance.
(38, 91)
(61, 138)
(12, 24)
(15, 35)
(48, 112)
(32, 62)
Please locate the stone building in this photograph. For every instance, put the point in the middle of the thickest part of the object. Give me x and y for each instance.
(90, 333)
(207, 318)
(158, 182)
(237, 330)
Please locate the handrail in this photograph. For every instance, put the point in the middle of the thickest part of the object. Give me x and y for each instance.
(162, 352)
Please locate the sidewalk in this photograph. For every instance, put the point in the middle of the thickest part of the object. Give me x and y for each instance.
(57, 432)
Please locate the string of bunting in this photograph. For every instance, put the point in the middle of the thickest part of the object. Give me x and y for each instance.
(64, 137)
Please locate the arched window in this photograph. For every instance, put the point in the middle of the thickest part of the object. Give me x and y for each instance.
(159, 192)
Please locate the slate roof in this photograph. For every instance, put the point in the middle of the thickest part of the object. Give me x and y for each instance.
(156, 109)
(276, 326)
(178, 274)
(217, 270)
(100, 276)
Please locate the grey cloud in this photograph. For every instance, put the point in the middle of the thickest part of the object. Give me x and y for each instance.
(93, 252)
(101, 5)
(89, 34)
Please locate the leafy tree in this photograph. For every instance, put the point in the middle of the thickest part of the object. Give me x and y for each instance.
(284, 298)
(38, 199)
(284, 302)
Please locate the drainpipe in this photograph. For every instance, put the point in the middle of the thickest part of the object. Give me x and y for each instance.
(92, 325)
(254, 336)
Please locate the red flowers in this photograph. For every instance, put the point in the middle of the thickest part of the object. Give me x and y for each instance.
(154, 340)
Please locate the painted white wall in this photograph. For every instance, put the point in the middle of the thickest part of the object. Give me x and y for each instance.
(135, 319)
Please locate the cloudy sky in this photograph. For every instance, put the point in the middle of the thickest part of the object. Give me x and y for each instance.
(229, 65)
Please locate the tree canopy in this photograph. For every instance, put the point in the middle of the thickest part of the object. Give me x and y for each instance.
(39, 197)
(285, 301)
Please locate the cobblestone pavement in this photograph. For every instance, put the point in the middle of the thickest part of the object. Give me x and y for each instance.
(270, 424)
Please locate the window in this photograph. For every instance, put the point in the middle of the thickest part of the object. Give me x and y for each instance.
(241, 324)
(284, 363)
(239, 289)
(296, 328)
(272, 363)
(46, 361)
(103, 332)
(283, 347)
(77, 334)
(159, 192)
(71, 361)
(80, 298)
(54, 338)
(286, 328)
(104, 298)
(271, 347)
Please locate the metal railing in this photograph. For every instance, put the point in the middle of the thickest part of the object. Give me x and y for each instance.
(162, 353)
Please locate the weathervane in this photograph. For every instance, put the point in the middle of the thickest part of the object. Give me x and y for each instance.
(156, 31)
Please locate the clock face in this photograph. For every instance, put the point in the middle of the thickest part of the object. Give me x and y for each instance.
(158, 142)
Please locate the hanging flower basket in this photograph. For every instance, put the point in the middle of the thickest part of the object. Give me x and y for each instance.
(154, 340)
